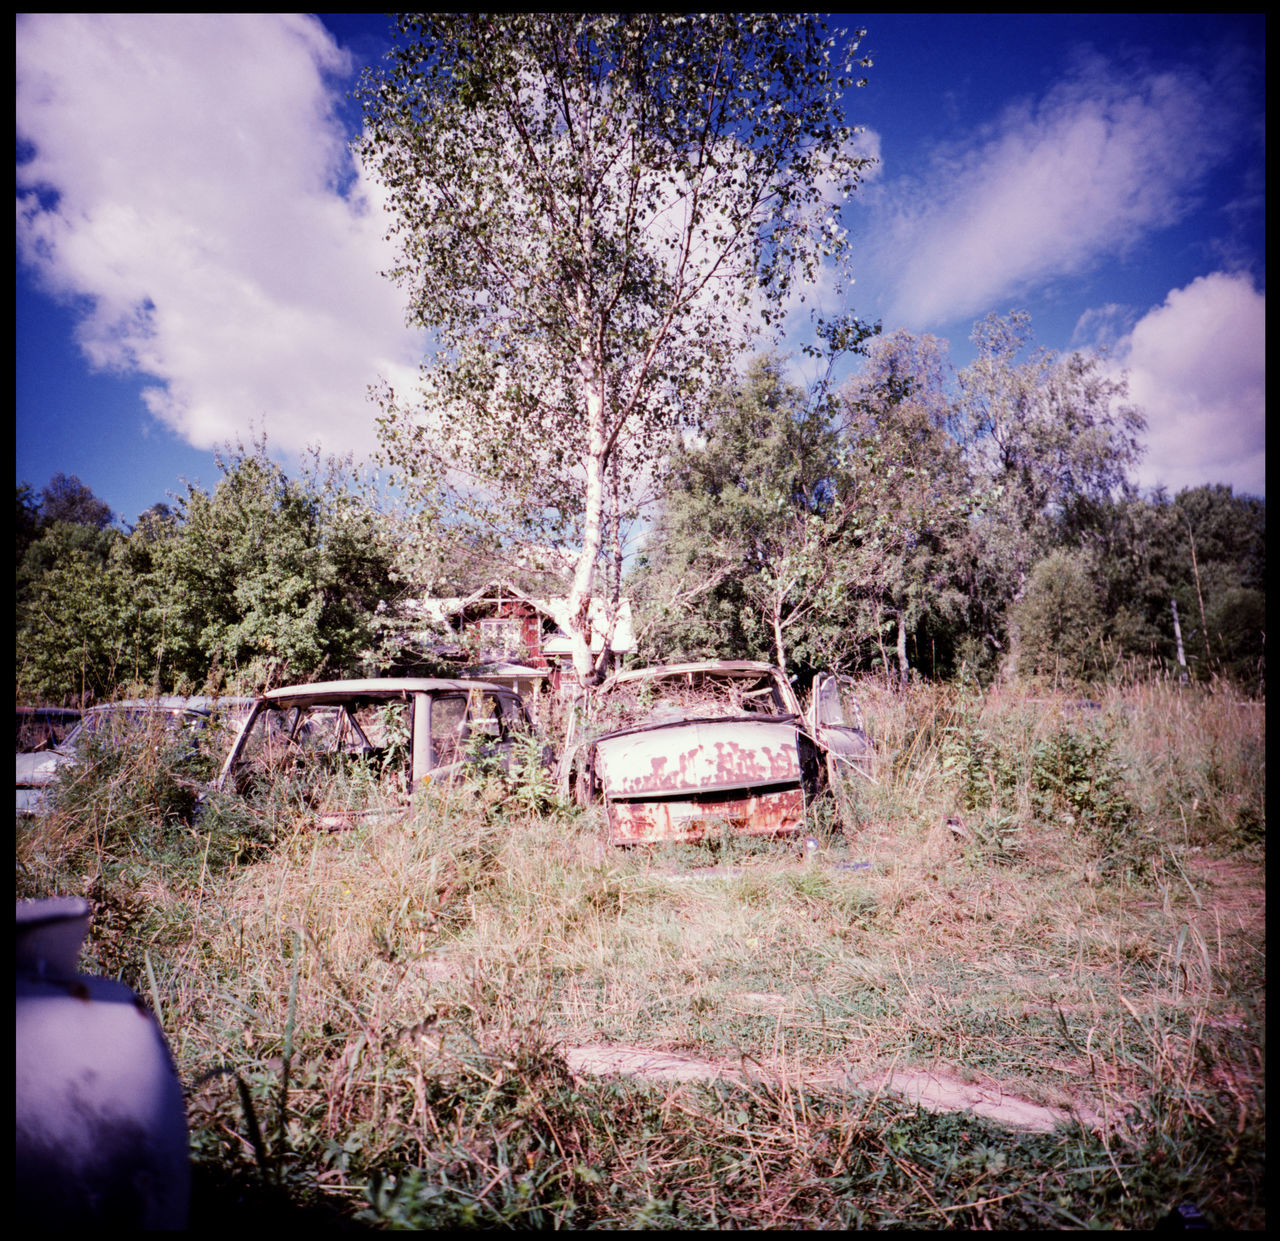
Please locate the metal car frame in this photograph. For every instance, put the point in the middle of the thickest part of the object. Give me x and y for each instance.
(437, 748)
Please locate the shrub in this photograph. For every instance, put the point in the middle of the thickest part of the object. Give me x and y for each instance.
(1076, 777)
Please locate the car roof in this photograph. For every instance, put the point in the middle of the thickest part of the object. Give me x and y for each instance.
(731, 667)
(324, 693)
(170, 702)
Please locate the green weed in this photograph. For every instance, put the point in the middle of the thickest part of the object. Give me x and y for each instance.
(376, 1024)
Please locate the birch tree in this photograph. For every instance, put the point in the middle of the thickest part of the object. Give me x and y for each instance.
(592, 214)
(1044, 436)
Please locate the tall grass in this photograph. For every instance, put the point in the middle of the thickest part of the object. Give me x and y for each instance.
(1059, 903)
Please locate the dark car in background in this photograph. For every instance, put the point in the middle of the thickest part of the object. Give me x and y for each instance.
(40, 728)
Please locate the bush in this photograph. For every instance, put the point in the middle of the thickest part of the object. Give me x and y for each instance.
(133, 789)
(1076, 778)
(1072, 778)
(1060, 617)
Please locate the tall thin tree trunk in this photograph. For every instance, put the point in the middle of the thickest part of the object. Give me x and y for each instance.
(613, 597)
(903, 667)
(779, 650)
(1177, 634)
(884, 659)
(1195, 568)
(1011, 669)
(594, 465)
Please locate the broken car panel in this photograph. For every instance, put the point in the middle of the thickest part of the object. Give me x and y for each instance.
(689, 747)
(837, 724)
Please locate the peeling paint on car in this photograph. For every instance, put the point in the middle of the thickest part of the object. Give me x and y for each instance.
(705, 746)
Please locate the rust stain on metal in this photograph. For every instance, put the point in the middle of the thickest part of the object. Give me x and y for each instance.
(699, 756)
(728, 765)
(774, 812)
(720, 743)
(757, 764)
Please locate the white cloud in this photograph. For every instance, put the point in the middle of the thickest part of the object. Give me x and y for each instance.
(1197, 368)
(191, 187)
(1047, 191)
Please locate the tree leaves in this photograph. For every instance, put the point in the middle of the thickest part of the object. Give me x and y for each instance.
(586, 205)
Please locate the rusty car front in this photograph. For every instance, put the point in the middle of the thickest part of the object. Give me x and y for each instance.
(681, 750)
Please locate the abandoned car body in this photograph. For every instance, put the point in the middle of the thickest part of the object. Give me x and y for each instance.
(411, 730)
(688, 747)
(112, 721)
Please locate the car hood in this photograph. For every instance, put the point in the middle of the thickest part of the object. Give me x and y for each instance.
(699, 755)
(36, 770)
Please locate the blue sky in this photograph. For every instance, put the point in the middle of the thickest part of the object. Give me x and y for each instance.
(198, 256)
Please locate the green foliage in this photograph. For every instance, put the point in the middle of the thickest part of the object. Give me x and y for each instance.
(759, 550)
(524, 785)
(267, 578)
(133, 794)
(28, 520)
(1047, 438)
(1076, 777)
(896, 420)
(69, 500)
(1060, 618)
(1203, 549)
(74, 642)
(906, 517)
(1072, 779)
(150, 778)
(583, 206)
(270, 577)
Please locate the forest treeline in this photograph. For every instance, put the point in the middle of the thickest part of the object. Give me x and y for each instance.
(913, 522)
(969, 524)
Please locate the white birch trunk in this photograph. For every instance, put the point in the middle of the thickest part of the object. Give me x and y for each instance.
(585, 570)
(779, 650)
(904, 669)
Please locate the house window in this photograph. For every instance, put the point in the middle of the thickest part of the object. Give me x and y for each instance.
(501, 636)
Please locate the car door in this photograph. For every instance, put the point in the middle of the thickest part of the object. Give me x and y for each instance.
(836, 721)
(493, 721)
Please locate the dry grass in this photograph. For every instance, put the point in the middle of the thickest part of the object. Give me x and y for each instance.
(398, 1000)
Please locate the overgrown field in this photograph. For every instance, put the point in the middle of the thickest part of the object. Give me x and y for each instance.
(1045, 919)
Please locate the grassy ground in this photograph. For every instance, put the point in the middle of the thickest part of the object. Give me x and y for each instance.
(1054, 908)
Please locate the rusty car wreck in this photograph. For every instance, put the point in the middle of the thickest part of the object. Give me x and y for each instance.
(679, 750)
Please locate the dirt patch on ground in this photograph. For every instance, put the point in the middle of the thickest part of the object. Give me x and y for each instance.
(1232, 892)
(941, 1092)
(933, 1090)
